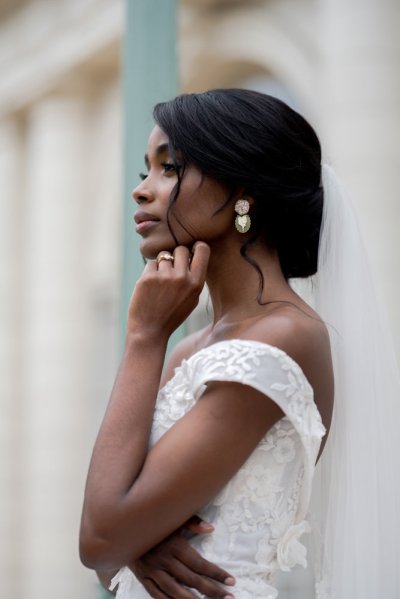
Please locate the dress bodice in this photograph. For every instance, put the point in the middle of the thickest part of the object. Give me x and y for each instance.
(260, 515)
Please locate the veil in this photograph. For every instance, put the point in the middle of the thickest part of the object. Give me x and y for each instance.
(356, 499)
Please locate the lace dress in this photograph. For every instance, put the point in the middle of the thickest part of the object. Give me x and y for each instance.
(260, 515)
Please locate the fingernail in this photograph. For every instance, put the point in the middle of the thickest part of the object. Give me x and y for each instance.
(230, 581)
(229, 597)
(206, 526)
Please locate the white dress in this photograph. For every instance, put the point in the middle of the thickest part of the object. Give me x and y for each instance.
(260, 515)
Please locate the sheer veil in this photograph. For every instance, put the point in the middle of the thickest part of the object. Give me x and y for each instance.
(356, 499)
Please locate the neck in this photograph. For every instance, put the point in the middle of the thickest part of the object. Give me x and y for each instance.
(234, 284)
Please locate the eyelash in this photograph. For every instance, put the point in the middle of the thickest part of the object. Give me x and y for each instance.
(168, 167)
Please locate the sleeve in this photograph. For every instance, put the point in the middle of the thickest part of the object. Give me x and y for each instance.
(275, 374)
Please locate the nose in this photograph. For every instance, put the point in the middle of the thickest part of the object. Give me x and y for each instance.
(142, 194)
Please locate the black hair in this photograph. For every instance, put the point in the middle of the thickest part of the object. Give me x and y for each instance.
(251, 141)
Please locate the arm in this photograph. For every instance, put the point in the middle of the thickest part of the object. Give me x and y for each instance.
(122, 443)
(174, 564)
(149, 495)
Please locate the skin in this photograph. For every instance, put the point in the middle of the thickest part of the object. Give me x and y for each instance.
(122, 523)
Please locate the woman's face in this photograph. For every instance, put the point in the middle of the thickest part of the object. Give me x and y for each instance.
(192, 216)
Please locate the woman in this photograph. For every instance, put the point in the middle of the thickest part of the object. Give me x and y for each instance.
(232, 429)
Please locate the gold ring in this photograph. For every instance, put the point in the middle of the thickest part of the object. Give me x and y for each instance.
(168, 257)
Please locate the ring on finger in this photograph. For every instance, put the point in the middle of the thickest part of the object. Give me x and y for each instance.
(166, 256)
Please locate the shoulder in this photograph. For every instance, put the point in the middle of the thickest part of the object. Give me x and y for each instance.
(290, 328)
(305, 338)
(300, 334)
(182, 350)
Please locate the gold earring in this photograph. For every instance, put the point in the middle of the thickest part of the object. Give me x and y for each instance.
(242, 221)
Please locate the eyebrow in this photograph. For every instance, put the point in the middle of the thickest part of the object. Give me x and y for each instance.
(161, 149)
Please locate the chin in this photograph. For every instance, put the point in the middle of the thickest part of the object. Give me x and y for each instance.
(151, 250)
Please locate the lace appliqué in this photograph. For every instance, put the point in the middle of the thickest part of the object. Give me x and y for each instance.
(301, 408)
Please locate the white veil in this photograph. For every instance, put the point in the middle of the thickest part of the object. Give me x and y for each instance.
(356, 499)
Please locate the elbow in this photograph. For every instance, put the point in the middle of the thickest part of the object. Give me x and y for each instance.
(103, 550)
(95, 550)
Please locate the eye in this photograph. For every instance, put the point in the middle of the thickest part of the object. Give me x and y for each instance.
(142, 176)
(169, 167)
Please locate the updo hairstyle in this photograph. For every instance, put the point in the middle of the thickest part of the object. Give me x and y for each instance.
(255, 142)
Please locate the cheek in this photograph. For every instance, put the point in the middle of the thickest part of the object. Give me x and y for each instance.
(201, 223)
(200, 198)
(165, 191)
(196, 214)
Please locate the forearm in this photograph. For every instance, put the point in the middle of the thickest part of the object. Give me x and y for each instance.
(122, 444)
(119, 520)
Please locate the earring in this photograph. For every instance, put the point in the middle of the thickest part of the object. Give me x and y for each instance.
(242, 221)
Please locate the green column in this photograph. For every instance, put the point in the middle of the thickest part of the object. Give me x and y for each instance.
(150, 76)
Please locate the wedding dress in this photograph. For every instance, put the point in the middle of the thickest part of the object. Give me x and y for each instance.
(261, 514)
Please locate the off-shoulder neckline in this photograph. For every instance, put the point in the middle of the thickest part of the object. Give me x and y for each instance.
(269, 346)
(272, 349)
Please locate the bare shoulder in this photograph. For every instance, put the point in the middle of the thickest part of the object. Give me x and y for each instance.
(297, 332)
(182, 350)
(302, 335)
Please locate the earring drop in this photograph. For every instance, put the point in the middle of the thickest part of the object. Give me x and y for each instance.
(242, 221)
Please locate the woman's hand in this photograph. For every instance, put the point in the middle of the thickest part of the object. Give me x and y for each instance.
(168, 568)
(168, 291)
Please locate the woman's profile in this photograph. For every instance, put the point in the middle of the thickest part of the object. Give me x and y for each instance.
(230, 429)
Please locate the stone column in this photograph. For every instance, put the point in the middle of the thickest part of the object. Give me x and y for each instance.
(56, 356)
(10, 372)
(361, 113)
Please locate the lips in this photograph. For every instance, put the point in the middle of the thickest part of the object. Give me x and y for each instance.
(141, 217)
(145, 221)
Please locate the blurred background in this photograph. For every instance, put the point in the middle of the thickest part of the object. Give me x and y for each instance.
(78, 79)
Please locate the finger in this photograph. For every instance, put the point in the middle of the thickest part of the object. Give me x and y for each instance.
(200, 258)
(153, 590)
(198, 527)
(150, 266)
(181, 255)
(200, 583)
(171, 586)
(198, 564)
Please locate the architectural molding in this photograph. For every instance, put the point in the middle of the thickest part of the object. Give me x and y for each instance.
(63, 36)
(215, 53)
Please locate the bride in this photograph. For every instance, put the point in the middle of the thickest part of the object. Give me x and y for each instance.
(230, 430)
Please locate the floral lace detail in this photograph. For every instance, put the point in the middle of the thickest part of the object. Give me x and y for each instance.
(301, 407)
(290, 552)
(255, 587)
(175, 399)
(260, 515)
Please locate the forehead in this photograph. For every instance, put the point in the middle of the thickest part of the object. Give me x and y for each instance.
(157, 139)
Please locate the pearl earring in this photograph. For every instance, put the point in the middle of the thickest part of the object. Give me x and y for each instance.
(242, 221)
